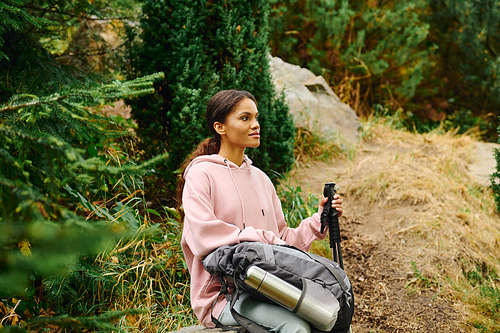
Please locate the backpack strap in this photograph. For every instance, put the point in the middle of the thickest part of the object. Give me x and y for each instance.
(248, 324)
(342, 284)
(224, 291)
(302, 295)
(345, 288)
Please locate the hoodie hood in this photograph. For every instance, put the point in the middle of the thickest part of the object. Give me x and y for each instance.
(231, 167)
(217, 159)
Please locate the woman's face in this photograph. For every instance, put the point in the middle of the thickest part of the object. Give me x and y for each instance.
(241, 128)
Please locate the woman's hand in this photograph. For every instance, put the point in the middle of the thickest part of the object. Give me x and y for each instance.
(336, 203)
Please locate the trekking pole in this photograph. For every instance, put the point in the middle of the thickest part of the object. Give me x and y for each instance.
(332, 218)
(331, 215)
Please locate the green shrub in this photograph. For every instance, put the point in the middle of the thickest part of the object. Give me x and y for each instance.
(373, 53)
(468, 31)
(295, 203)
(48, 143)
(204, 47)
(51, 161)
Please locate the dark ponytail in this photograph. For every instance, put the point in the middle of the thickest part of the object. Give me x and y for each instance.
(220, 105)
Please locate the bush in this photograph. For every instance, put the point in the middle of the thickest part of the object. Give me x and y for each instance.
(204, 47)
(372, 53)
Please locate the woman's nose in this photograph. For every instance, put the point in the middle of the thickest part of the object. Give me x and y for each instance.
(255, 124)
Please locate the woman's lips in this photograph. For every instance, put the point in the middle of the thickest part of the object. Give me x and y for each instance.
(255, 135)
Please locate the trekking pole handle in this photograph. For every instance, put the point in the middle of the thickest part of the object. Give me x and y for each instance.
(333, 214)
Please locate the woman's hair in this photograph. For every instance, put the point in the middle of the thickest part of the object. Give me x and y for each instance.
(220, 105)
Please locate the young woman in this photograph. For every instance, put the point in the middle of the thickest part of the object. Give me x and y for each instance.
(226, 201)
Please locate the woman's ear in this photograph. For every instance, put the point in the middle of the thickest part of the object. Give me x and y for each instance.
(219, 128)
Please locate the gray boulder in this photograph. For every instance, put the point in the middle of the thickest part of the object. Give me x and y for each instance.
(312, 102)
(484, 164)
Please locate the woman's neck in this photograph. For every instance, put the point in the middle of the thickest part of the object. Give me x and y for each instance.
(235, 155)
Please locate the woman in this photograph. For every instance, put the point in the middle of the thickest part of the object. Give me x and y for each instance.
(226, 201)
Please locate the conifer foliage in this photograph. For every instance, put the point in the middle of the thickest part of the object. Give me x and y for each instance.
(53, 165)
(376, 49)
(203, 47)
(13, 18)
(49, 155)
(468, 31)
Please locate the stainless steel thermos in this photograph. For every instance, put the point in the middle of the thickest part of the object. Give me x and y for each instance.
(320, 315)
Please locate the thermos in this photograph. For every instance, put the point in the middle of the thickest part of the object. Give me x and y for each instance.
(320, 315)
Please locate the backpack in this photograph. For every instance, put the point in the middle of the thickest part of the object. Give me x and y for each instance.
(320, 290)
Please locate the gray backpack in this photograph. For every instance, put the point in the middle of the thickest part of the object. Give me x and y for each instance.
(313, 287)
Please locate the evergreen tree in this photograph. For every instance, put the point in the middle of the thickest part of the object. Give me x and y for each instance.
(52, 161)
(468, 31)
(377, 52)
(49, 149)
(203, 47)
(53, 43)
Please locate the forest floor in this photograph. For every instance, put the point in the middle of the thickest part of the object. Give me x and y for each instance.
(404, 246)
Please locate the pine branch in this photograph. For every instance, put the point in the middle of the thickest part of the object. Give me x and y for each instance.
(106, 92)
(36, 21)
(96, 165)
(37, 101)
(85, 17)
(43, 139)
(490, 47)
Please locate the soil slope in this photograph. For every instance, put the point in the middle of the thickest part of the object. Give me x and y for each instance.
(404, 231)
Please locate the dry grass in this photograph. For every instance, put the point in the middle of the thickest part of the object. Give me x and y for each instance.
(150, 276)
(448, 221)
(310, 144)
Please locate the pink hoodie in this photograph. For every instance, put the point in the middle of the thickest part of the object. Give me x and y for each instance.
(225, 204)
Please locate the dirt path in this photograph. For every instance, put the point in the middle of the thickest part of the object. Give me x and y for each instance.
(390, 294)
(387, 290)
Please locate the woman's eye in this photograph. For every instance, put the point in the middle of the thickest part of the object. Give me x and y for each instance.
(245, 118)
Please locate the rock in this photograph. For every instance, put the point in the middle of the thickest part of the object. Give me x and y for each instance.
(190, 329)
(201, 329)
(312, 102)
(484, 163)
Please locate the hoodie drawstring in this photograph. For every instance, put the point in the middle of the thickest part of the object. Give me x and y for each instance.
(239, 195)
(256, 192)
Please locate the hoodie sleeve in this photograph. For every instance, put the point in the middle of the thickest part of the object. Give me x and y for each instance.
(207, 232)
(302, 236)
